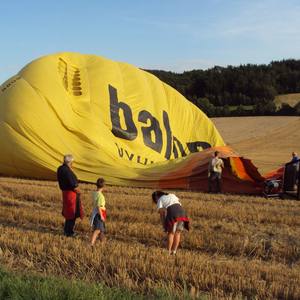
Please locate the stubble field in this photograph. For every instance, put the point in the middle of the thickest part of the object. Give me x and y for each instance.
(267, 141)
(238, 247)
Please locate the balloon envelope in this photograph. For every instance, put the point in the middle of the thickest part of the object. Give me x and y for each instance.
(118, 121)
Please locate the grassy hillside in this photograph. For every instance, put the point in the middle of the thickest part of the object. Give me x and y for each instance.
(238, 247)
(291, 99)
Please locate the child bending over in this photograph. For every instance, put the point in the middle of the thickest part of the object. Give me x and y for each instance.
(173, 218)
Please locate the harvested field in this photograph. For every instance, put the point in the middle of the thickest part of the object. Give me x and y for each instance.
(238, 247)
(267, 141)
(291, 99)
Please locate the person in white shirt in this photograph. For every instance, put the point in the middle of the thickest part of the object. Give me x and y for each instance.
(215, 167)
(172, 216)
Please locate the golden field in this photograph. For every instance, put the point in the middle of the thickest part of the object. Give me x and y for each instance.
(291, 99)
(238, 247)
(267, 141)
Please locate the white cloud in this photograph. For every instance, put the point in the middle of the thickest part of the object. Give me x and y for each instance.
(267, 20)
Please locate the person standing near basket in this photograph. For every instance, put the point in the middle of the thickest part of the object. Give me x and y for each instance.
(215, 168)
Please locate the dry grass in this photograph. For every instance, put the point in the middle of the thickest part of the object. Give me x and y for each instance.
(291, 99)
(267, 141)
(238, 247)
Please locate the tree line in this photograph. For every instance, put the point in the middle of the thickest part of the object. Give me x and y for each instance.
(238, 90)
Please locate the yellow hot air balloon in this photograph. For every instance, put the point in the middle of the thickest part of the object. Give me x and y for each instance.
(118, 121)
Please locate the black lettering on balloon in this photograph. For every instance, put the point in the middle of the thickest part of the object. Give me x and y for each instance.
(154, 127)
(169, 135)
(131, 155)
(139, 160)
(128, 133)
(120, 150)
(177, 144)
(197, 146)
(152, 134)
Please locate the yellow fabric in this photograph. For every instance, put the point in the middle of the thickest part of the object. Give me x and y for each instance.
(118, 121)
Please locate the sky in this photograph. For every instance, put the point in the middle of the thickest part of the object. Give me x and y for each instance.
(172, 35)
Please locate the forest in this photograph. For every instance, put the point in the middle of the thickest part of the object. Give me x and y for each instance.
(239, 90)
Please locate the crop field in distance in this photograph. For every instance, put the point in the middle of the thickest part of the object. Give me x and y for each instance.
(291, 99)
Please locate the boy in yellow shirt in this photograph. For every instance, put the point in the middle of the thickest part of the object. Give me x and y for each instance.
(99, 212)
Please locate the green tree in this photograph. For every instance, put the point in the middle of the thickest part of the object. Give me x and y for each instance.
(206, 106)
